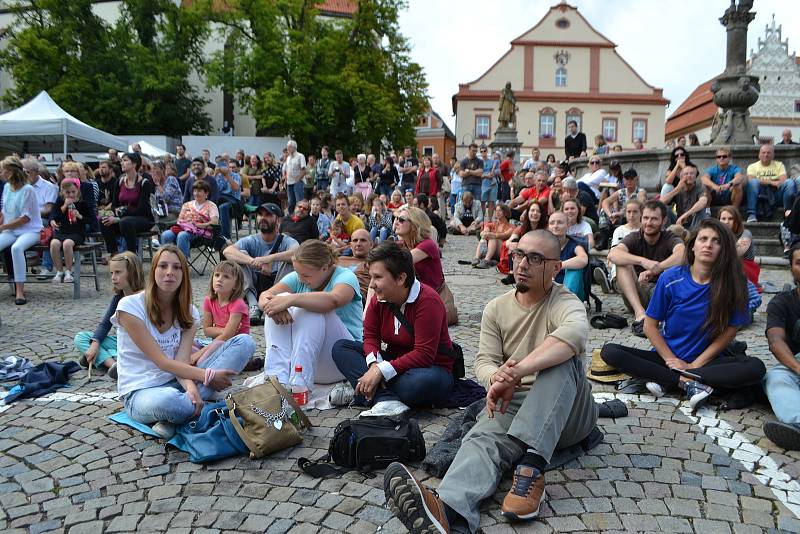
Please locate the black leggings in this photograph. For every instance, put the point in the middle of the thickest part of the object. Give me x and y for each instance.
(127, 227)
(723, 371)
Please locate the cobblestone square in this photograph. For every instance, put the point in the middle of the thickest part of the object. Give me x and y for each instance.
(64, 467)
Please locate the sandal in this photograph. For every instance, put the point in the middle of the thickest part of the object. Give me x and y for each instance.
(20, 302)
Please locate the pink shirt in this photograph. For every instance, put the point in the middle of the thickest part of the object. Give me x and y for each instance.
(221, 314)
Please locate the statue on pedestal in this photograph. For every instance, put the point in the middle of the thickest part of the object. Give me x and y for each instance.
(508, 108)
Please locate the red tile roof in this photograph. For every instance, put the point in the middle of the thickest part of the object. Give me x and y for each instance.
(338, 7)
(694, 113)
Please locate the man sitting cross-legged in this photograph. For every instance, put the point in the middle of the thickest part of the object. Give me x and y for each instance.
(641, 258)
(538, 400)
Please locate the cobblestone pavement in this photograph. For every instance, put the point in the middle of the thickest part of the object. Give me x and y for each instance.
(65, 467)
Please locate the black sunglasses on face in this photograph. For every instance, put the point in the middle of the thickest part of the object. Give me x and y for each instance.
(723, 156)
(401, 219)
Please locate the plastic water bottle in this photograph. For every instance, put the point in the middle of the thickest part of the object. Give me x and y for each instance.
(298, 386)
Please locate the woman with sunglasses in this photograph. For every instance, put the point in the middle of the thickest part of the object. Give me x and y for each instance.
(678, 159)
(413, 228)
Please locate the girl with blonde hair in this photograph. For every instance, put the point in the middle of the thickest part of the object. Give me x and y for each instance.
(307, 312)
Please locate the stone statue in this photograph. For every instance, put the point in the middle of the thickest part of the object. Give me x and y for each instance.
(735, 91)
(508, 108)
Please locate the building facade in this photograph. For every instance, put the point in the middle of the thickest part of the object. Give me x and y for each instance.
(778, 105)
(435, 137)
(562, 69)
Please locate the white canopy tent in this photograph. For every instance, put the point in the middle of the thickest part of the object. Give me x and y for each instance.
(41, 126)
(149, 149)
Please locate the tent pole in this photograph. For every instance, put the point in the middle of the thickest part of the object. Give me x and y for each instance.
(64, 126)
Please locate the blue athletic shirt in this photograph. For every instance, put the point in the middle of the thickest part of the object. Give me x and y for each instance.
(681, 304)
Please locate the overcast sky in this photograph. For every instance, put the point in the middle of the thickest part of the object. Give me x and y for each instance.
(674, 45)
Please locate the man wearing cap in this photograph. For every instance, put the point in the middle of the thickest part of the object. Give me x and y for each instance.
(529, 358)
(265, 256)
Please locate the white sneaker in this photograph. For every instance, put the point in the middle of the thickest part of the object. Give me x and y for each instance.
(751, 219)
(44, 274)
(655, 389)
(68, 278)
(341, 394)
(58, 278)
(164, 430)
(385, 409)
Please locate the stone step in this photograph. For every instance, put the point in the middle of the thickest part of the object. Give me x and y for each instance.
(772, 261)
(768, 247)
(768, 229)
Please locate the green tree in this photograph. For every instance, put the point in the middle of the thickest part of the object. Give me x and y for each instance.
(130, 77)
(348, 83)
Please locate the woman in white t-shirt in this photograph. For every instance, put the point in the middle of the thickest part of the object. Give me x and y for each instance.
(577, 226)
(155, 331)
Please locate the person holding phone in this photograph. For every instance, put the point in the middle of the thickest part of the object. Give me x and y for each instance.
(700, 305)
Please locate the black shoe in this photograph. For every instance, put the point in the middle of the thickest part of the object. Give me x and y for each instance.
(601, 280)
(508, 280)
(637, 327)
(83, 361)
(784, 435)
(112, 372)
(256, 364)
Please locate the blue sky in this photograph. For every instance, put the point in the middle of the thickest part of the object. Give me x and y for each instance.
(675, 45)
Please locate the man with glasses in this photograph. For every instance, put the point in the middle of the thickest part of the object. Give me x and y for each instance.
(723, 181)
(529, 358)
(472, 172)
(301, 225)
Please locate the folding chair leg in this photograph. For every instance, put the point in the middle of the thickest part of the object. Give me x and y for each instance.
(94, 269)
(76, 285)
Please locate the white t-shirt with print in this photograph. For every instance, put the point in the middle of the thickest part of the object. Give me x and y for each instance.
(135, 370)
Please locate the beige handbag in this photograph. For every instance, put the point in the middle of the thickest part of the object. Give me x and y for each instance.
(268, 425)
(449, 304)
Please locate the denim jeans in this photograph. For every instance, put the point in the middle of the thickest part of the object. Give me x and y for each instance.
(475, 189)
(323, 184)
(108, 348)
(225, 206)
(384, 189)
(782, 386)
(380, 233)
(406, 187)
(183, 240)
(296, 194)
(420, 386)
(170, 402)
(785, 194)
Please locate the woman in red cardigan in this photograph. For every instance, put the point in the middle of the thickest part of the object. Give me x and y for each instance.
(428, 179)
(413, 370)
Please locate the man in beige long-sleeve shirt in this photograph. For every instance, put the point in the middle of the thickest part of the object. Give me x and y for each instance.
(538, 400)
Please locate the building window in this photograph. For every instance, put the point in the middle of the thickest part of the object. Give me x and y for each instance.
(574, 114)
(610, 129)
(427, 151)
(561, 77)
(640, 129)
(482, 126)
(797, 106)
(547, 123)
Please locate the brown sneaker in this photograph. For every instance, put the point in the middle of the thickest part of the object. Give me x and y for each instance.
(417, 507)
(526, 494)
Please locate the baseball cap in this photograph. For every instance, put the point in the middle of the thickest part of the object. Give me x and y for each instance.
(269, 207)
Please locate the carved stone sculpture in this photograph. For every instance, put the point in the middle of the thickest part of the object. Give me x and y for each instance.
(508, 108)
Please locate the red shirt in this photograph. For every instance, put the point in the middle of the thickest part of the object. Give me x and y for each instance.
(428, 317)
(530, 193)
(429, 270)
(507, 170)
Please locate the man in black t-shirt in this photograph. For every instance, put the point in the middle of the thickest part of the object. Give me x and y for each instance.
(408, 174)
(782, 383)
(301, 225)
(182, 163)
(641, 258)
(472, 172)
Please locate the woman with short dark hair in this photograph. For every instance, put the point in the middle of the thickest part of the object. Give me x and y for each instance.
(414, 370)
(132, 213)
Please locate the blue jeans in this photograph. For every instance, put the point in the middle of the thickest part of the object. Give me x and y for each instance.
(452, 201)
(183, 240)
(475, 189)
(47, 260)
(505, 191)
(170, 402)
(225, 218)
(421, 386)
(296, 193)
(108, 348)
(786, 193)
(407, 186)
(384, 189)
(381, 233)
(782, 386)
(323, 184)
(489, 190)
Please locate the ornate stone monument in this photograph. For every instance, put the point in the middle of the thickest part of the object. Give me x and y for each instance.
(734, 90)
(505, 137)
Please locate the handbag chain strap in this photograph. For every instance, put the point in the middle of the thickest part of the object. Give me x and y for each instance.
(270, 418)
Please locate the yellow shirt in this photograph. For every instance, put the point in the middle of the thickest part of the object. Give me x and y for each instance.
(508, 330)
(353, 223)
(762, 172)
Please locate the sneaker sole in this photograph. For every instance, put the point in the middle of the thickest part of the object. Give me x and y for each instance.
(782, 435)
(656, 391)
(404, 498)
(526, 517)
(698, 399)
(601, 280)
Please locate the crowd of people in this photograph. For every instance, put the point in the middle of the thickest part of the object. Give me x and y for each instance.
(357, 296)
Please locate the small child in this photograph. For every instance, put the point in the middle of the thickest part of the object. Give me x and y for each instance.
(338, 238)
(69, 218)
(225, 313)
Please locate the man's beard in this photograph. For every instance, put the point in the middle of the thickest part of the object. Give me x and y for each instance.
(522, 288)
(267, 227)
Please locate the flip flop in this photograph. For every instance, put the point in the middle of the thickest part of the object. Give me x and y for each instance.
(20, 302)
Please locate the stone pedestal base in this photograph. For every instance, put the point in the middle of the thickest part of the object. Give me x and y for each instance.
(734, 95)
(505, 140)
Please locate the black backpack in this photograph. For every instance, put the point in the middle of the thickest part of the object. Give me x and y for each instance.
(366, 444)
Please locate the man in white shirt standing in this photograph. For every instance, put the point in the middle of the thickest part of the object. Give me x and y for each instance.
(339, 173)
(294, 169)
(46, 196)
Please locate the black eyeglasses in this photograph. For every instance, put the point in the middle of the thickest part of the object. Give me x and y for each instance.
(534, 258)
